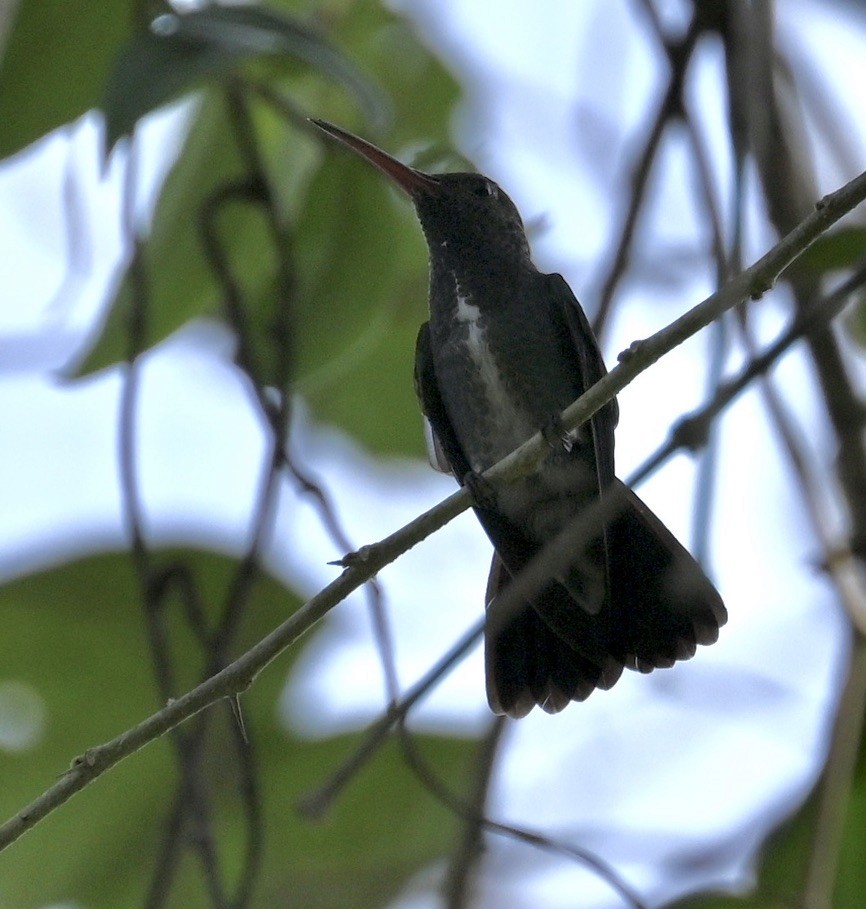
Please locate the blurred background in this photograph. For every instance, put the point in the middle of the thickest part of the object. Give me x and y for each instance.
(207, 326)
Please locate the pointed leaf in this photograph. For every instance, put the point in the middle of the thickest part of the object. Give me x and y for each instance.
(839, 249)
(180, 283)
(55, 62)
(75, 636)
(180, 50)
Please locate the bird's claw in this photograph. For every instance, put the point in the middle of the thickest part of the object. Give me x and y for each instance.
(554, 433)
(483, 493)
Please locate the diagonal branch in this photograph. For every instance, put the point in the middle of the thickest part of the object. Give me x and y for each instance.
(362, 565)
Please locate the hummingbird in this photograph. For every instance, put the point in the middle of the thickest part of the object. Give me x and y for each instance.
(506, 349)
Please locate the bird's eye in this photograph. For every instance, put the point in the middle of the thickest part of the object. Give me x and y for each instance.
(486, 189)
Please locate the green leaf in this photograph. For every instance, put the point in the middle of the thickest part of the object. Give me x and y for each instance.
(851, 879)
(179, 283)
(383, 829)
(75, 634)
(357, 248)
(361, 254)
(179, 51)
(362, 296)
(855, 320)
(839, 249)
(54, 66)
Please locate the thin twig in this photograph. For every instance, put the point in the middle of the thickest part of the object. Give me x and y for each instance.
(458, 886)
(690, 432)
(425, 774)
(317, 802)
(670, 109)
(837, 783)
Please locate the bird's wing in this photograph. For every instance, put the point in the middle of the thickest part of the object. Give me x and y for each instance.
(507, 539)
(571, 320)
(661, 603)
(443, 449)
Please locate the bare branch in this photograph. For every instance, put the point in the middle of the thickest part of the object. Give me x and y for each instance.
(467, 855)
(838, 781)
(316, 803)
(443, 794)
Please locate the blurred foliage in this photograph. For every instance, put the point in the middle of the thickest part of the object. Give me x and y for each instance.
(783, 862)
(80, 643)
(348, 259)
(355, 349)
(362, 352)
(55, 64)
(178, 52)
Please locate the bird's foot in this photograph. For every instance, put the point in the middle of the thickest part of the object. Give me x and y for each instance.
(483, 492)
(556, 436)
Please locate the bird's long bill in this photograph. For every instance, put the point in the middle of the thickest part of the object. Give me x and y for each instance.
(408, 179)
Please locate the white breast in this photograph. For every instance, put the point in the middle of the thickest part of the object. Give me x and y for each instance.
(514, 426)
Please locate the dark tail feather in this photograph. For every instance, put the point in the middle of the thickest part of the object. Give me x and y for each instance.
(528, 664)
(662, 603)
(661, 606)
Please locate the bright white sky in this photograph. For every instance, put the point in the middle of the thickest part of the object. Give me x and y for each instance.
(697, 761)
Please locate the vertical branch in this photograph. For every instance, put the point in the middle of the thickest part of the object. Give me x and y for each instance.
(283, 325)
(434, 785)
(708, 464)
(778, 145)
(191, 800)
(375, 598)
(837, 784)
(678, 57)
(458, 886)
(251, 803)
(671, 108)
